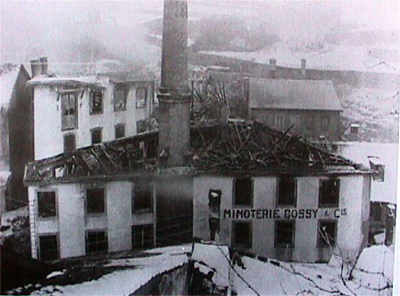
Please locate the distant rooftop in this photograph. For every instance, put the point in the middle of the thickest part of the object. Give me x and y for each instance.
(293, 94)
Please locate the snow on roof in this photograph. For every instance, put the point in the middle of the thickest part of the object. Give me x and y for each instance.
(385, 191)
(129, 275)
(8, 77)
(213, 258)
(370, 277)
(293, 94)
(90, 81)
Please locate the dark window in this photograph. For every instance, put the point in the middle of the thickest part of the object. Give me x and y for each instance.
(96, 135)
(284, 234)
(286, 192)
(142, 197)
(46, 204)
(48, 247)
(325, 123)
(69, 118)
(141, 126)
(141, 97)
(326, 234)
(242, 234)
(280, 121)
(243, 192)
(69, 143)
(96, 241)
(96, 102)
(329, 193)
(309, 123)
(376, 211)
(120, 94)
(119, 131)
(142, 236)
(95, 201)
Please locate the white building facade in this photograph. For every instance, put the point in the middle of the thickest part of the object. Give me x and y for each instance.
(74, 112)
(301, 218)
(78, 219)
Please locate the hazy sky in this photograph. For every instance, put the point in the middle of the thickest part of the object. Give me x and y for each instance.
(30, 28)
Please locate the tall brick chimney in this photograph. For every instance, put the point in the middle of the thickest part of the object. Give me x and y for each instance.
(174, 94)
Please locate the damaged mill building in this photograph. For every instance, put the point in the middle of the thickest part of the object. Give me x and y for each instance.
(239, 183)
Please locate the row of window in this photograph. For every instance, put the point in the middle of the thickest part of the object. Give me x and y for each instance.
(96, 241)
(284, 234)
(69, 100)
(95, 201)
(287, 192)
(279, 121)
(69, 103)
(96, 137)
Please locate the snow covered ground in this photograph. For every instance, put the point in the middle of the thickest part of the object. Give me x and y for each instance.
(369, 277)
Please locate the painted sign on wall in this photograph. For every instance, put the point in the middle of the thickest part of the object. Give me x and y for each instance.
(258, 214)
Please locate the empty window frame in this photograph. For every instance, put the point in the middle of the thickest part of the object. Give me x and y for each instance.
(286, 191)
(280, 121)
(142, 236)
(48, 247)
(329, 193)
(142, 197)
(141, 97)
(96, 134)
(96, 241)
(96, 102)
(295, 121)
(69, 143)
(242, 234)
(46, 204)
(69, 112)
(309, 122)
(119, 131)
(325, 123)
(95, 201)
(120, 94)
(284, 234)
(327, 230)
(243, 190)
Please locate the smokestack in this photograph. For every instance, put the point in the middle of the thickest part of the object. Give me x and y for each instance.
(303, 72)
(174, 95)
(36, 68)
(272, 68)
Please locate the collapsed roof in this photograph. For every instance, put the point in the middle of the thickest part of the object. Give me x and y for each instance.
(240, 147)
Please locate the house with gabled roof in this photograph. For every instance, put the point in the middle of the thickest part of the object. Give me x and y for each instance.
(311, 106)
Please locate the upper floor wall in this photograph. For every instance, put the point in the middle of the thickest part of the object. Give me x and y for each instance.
(303, 219)
(67, 118)
(311, 124)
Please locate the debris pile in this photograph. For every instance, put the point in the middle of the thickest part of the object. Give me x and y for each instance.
(252, 146)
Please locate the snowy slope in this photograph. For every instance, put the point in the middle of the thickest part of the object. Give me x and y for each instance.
(329, 57)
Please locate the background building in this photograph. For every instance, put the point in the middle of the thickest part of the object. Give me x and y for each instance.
(311, 106)
(16, 126)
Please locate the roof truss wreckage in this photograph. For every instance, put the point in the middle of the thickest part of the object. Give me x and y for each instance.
(239, 147)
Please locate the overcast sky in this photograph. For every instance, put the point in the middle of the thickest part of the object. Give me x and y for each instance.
(30, 28)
